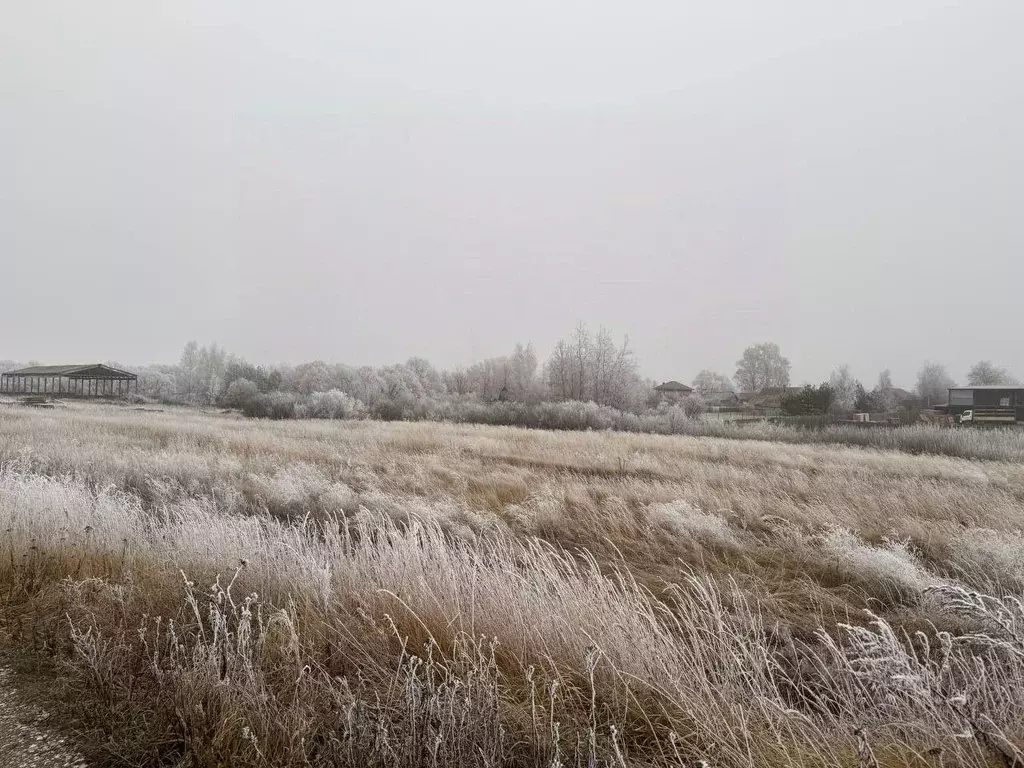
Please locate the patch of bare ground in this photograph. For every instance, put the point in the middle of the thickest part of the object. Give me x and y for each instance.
(28, 738)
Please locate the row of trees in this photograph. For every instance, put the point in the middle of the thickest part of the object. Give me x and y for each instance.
(842, 393)
(763, 367)
(586, 366)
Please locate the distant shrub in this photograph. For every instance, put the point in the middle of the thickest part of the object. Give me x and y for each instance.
(240, 392)
(333, 404)
(388, 410)
(273, 405)
(693, 405)
(665, 419)
(570, 415)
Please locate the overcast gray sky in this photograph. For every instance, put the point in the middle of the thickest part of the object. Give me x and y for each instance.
(362, 182)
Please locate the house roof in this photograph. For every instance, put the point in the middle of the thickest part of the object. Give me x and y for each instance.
(990, 386)
(90, 370)
(713, 398)
(722, 393)
(673, 386)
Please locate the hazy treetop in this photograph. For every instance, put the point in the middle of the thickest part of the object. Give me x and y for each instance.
(370, 181)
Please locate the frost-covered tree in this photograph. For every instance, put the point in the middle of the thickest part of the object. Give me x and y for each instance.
(265, 379)
(884, 392)
(593, 368)
(762, 366)
(201, 373)
(512, 377)
(401, 383)
(188, 371)
(521, 374)
(368, 385)
(985, 372)
(558, 373)
(487, 377)
(430, 380)
(933, 383)
(157, 382)
(212, 365)
(844, 388)
(456, 381)
(708, 381)
(308, 378)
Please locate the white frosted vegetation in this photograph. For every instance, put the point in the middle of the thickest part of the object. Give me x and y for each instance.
(431, 595)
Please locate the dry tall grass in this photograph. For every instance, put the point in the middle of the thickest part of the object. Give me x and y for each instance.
(229, 592)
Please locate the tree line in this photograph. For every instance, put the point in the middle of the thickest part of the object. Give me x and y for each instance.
(591, 367)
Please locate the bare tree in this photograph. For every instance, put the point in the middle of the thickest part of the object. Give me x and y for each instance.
(457, 381)
(624, 385)
(368, 386)
(593, 368)
(188, 371)
(558, 372)
(521, 373)
(602, 356)
(581, 352)
(762, 366)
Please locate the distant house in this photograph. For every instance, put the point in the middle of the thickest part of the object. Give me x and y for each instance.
(905, 399)
(673, 391)
(724, 399)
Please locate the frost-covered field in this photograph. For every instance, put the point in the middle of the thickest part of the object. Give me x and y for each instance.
(225, 591)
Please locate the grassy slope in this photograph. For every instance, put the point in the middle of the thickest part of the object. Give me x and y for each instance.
(429, 594)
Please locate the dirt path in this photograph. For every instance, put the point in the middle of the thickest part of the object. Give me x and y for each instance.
(25, 739)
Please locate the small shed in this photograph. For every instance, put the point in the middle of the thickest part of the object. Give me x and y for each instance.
(91, 380)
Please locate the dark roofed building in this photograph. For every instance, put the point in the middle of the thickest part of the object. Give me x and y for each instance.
(674, 386)
(672, 391)
(987, 403)
(903, 398)
(89, 380)
(724, 397)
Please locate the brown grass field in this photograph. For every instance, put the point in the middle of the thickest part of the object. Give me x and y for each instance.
(227, 592)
